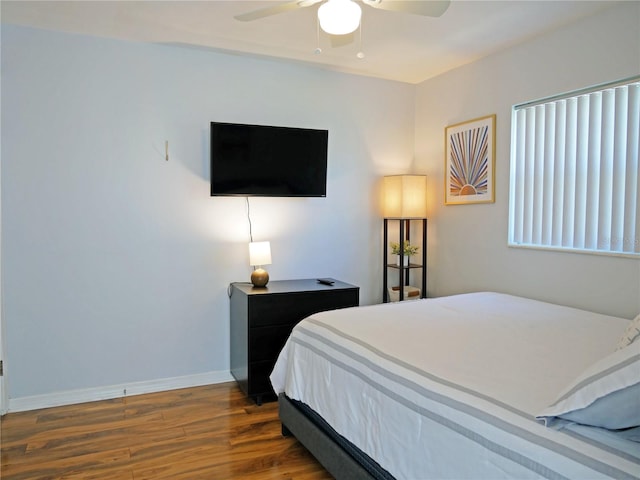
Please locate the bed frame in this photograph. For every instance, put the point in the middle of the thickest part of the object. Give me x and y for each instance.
(340, 457)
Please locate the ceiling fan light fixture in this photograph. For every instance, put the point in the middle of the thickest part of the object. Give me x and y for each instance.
(339, 17)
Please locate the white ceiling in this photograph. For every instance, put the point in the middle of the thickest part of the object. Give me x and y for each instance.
(397, 46)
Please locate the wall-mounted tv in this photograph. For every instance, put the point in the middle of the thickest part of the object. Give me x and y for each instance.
(261, 160)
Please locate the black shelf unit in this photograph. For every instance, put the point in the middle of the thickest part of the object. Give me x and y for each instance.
(404, 230)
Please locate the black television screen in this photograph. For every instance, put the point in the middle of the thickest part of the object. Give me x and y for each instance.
(260, 160)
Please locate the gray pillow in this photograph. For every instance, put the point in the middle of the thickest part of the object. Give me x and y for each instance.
(607, 394)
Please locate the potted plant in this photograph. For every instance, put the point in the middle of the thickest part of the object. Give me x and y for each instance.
(407, 249)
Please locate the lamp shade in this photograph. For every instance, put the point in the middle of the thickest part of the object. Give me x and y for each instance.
(259, 253)
(405, 196)
(339, 17)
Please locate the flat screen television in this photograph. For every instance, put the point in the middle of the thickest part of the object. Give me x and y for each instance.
(271, 161)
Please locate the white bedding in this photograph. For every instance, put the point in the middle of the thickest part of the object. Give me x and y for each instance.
(449, 387)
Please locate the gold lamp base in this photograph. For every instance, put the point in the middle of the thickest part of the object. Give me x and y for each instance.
(259, 277)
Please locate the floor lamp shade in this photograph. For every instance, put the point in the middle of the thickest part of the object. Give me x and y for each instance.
(404, 196)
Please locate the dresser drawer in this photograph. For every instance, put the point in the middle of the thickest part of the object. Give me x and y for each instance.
(259, 383)
(265, 343)
(289, 309)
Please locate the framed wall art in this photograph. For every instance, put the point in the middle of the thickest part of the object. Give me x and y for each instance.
(470, 150)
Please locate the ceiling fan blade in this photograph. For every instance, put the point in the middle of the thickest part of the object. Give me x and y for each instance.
(428, 8)
(275, 10)
(342, 40)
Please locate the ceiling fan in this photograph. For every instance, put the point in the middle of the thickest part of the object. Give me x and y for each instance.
(341, 17)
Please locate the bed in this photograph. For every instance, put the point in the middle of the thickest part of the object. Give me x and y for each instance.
(481, 385)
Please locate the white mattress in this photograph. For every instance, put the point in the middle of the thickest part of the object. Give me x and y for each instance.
(449, 387)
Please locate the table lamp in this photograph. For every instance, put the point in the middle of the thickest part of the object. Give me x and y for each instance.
(259, 255)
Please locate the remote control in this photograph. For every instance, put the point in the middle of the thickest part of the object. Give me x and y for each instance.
(326, 281)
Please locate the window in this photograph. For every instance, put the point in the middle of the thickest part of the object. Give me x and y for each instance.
(574, 171)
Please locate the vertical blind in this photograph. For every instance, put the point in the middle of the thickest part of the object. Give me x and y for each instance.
(574, 171)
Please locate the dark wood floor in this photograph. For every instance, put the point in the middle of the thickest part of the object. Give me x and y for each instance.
(210, 432)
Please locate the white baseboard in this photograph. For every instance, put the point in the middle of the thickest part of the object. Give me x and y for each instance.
(69, 397)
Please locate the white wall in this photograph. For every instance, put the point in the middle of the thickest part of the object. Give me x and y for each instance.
(468, 244)
(4, 402)
(116, 262)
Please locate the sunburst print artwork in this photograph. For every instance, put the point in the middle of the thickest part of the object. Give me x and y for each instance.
(469, 163)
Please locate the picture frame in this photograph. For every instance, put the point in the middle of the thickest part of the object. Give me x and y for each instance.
(469, 170)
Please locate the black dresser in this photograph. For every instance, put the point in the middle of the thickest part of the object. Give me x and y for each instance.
(262, 319)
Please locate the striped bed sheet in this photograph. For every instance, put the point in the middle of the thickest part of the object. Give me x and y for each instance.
(449, 387)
